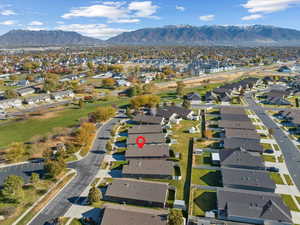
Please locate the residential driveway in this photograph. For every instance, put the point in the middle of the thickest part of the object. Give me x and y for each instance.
(87, 170)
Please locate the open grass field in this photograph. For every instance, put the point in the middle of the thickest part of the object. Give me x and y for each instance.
(21, 131)
(203, 201)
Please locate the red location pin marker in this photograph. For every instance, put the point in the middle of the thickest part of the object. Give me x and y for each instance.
(140, 141)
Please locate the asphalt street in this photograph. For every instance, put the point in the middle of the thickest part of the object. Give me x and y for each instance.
(87, 169)
(23, 170)
(289, 150)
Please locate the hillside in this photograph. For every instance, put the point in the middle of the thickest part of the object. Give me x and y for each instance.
(210, 35)
(24, 38)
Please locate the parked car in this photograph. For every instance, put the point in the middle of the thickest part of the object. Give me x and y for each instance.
(269, 151)
(273, 169)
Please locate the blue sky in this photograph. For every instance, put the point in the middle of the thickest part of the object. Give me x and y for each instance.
(104, 19)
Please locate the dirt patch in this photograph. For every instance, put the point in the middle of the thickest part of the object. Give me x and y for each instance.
(47, 115)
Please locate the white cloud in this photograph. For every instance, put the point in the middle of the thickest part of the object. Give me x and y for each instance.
(117, 12)
(60, 22)
(268, 6)
(107, 11)
(8, 22)
(124, 21)
(7, 12)
(207, 17)
(36, 23)
(180, 8)
(252, 17)
(34, 28)
(101, 31)
(143, 9)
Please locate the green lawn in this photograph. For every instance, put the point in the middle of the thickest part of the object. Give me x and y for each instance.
(276, 147)
(269, 158)
(31, 195)
(118, 165)
(276, 178)
(288, 200)
(76, 222)
(206, 177)
(280, 159)
(266, 146)
(288, 179)
(204, 158)
(203, 201)
(20, 131)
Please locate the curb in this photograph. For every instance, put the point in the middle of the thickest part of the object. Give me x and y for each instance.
(29, 209)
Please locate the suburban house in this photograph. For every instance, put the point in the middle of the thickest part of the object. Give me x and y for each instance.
(255, 180)
(155, 169)
(229, 124)
(62, 94)
(25, 91)
(194, 98)
(157, 138)
(173, 113)
(145, 119)
(135, 192)
(235, 117)
(10, 103)
(127, 215)
(276, 96)
(241, 133)
(252, 207)
(145, 129)
(37, 99)
(251, 145)
(147, 152)
(240, 159)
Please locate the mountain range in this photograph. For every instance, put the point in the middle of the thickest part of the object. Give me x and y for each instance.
(27, 38)
(255, 35)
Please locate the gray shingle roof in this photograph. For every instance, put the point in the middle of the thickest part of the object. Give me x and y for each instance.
(138, 190)
(126, 215)
(145, 129)
(157, 138)
(236, 124)
(238, 158)
(155, 151)
(253, 204)
(244, 143)
(149, 167)
(245, 177)
(148, 119)
(241, 133)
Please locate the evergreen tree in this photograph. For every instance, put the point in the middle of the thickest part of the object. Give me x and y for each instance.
(13, 189)
(94, 195)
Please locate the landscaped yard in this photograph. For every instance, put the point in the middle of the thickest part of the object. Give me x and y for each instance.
(276, 147)
(276, 178)
(204, 158)
(179, 132)
(203, 201)
(21, 131)
(269, 158)
(206, 177)
(288, 200)
(288, 179)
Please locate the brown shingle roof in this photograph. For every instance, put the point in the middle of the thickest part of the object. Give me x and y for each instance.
(241, 133)
(145, 129)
